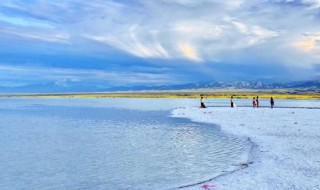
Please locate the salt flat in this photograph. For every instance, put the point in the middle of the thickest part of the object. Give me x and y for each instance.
(286, 152)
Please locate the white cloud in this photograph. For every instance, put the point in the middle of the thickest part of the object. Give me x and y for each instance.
(196, 30)
(313, 3)
(189, 52)
(162, 38)
(44, 35)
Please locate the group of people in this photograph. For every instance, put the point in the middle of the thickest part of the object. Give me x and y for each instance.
(255, 102)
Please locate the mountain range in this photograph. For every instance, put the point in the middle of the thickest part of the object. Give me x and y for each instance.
(313, 86)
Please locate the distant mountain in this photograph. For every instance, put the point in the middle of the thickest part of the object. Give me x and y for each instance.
(224, 85)
(54, 88)
(305, 84)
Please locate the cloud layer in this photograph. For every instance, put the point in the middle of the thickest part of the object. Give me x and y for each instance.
(203, 33)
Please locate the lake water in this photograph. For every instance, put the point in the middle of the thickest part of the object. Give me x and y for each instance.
(109, 144)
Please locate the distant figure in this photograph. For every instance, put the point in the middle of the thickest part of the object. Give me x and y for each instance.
(272, 102)
(257, 100)
(254, 103)
(231, 101)
(202, 103)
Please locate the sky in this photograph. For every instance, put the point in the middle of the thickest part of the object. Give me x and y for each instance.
(105, 43)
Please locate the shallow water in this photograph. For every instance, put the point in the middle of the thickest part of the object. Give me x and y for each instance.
(109, 144)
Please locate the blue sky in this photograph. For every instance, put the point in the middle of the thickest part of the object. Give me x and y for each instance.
(108, 43)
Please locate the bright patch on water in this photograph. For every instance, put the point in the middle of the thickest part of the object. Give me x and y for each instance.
(97, 144)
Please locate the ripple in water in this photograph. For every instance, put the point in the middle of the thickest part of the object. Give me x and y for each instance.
(67, 147)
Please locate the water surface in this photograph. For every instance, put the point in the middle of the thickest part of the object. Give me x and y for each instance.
(109, 144)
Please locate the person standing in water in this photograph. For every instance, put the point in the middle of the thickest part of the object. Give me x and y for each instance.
(202, 103)
(257, 100)
(272, 102)
(254, 103)
(231, 101)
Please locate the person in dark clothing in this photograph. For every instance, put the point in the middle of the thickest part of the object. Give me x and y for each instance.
(272, 102)
(257, 100)
(202, 103)
(231, 101)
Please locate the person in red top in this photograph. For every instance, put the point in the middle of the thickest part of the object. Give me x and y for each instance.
(254, 103)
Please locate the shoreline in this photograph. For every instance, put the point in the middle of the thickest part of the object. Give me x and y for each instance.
(284, 145)
(225, 173)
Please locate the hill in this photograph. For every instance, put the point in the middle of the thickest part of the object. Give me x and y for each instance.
(298, 87)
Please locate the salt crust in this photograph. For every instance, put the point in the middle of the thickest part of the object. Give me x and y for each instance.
(287, 152)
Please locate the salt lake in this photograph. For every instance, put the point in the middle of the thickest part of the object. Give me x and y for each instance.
(110, 144)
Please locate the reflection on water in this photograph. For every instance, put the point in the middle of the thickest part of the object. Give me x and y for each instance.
(75, 144)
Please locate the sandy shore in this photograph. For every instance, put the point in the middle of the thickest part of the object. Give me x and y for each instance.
(287, 152)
